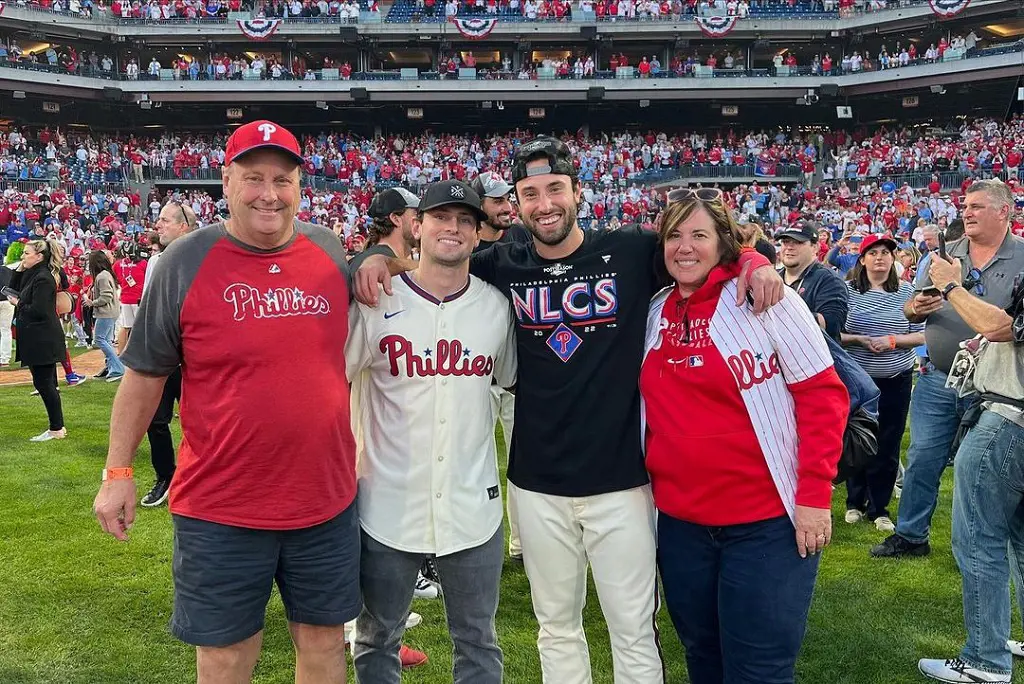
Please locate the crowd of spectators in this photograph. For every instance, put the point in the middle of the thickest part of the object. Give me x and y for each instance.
(611, 10)
(984, 146)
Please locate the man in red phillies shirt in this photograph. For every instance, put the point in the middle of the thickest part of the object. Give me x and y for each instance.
(265, 482)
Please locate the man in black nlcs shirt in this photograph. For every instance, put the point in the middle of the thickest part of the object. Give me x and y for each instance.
(580, 302)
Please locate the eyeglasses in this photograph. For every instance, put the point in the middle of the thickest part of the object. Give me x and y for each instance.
(973, 282)
(703, 194)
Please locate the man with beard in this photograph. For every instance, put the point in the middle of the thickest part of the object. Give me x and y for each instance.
(393, 213)
(175, 220)
(494, 195)
(577, 467)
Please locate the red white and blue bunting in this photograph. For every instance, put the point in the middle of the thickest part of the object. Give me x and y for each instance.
(946, 9)
(259, 29)
(474, 29)
(716, 27)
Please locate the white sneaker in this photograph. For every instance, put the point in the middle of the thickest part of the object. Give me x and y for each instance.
(956, 671)
(884, 524)
(413, 620)
(425, 589)
(50, 434)
(854, 516)
(1016, 648)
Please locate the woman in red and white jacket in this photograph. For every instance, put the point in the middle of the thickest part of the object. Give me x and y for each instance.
(744, 420)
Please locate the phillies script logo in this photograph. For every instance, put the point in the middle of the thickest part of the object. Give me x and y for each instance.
(449, 358)
(751, 369)
(274, 303)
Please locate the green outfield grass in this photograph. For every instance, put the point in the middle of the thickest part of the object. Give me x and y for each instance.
(77, 607)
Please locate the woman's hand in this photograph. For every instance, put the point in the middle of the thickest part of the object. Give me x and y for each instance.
(813, 529)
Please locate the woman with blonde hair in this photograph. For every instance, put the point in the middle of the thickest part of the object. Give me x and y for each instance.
(41, 343)
(744, 428)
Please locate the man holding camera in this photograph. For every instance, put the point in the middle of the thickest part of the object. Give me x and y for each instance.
(988, 503)
(989, 257)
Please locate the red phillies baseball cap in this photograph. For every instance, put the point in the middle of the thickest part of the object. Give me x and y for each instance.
(257, 135)
(870, 241)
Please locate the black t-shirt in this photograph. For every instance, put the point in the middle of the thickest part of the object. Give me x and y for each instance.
(358, 259)
(580, 327)
(517, 232)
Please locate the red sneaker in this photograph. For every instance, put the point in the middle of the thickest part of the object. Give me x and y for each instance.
(411, 657)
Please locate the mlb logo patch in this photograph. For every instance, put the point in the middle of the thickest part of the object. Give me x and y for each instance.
(696, 361)
(564, 342)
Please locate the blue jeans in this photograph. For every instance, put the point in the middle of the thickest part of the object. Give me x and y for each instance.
(738, 597)
(103, 336)
(988, 535)
(469, 581)
(935, 414)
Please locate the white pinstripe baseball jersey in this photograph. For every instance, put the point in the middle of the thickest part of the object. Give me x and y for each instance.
(798, 353)
(421, 372)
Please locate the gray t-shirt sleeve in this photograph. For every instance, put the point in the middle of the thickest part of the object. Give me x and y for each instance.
(154, 347)
(329, 242)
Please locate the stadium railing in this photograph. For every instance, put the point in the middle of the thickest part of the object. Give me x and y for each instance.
(31, 186)
(480, 74)
(405, 9)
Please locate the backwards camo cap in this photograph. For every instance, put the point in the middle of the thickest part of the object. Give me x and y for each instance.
(545, 147)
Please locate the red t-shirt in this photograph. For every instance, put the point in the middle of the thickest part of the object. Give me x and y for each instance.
(130, 278)
(264, 445)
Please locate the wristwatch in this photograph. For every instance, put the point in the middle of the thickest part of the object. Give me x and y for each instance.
(117, 474)
(949, 288)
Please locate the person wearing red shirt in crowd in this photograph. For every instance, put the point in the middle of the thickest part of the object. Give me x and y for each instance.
(130, 271)
(265, 485)
(826, 64)
(613, 62)
(744, 428)
(934, 186)
(790, 59)
(644, 68)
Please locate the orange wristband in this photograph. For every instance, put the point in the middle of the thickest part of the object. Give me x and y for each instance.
(117, 474)
(892, 341)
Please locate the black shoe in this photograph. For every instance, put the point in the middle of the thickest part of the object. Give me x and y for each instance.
(158, 494)
(429, 570)
(896, 546)
(102, 373)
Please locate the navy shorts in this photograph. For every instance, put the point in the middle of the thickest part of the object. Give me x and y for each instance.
(223, 577)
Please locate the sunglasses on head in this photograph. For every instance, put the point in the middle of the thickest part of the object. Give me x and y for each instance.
(703, 194)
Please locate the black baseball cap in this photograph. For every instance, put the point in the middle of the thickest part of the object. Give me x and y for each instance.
(447, 192)
(544, 147)
(391, 201)
(490, 184)
(802, 231)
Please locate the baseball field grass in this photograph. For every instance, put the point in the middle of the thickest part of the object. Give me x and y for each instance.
(78, 607)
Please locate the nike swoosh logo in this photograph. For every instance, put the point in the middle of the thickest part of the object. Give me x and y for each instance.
(392, 315)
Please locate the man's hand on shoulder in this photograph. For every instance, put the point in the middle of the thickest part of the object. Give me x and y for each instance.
(372, 274)
(763, 284)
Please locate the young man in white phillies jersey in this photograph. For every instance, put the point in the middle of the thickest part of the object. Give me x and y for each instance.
(421, 366)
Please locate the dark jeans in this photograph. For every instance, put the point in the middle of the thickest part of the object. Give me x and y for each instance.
(160, 443)
(44, 379)
(87, 322)
(738, 597)
(469, 581)
(871, 490)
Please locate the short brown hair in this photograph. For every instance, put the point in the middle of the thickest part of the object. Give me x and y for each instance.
(728, 232)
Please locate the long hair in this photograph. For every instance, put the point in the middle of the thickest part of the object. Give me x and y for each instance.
(53, 255)
(98, 262)
(858, 276)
